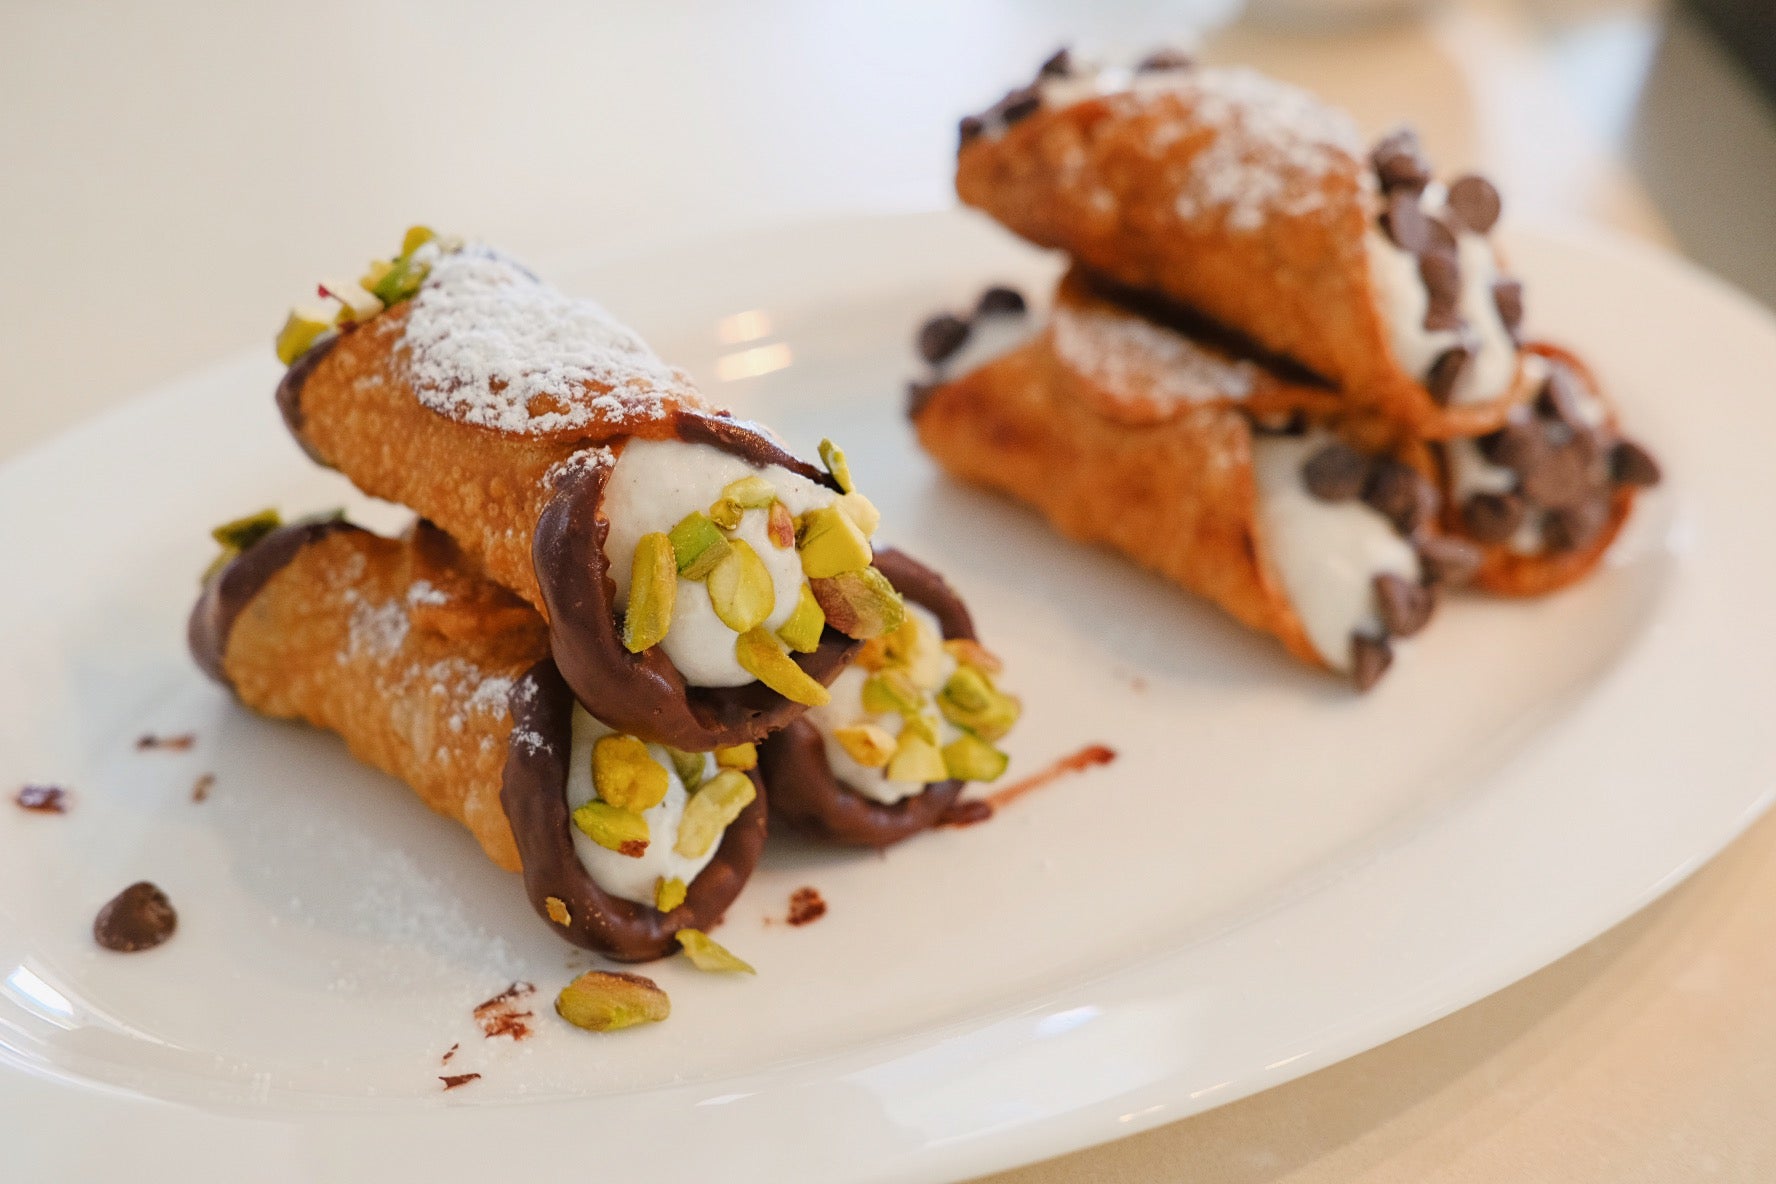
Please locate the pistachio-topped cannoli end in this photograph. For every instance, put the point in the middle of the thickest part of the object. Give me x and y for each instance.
(385, 283)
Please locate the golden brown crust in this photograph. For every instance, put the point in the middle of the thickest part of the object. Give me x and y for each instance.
(405, 652)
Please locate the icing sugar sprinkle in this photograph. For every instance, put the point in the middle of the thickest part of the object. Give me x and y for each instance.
(1123, 350)
(487, 343)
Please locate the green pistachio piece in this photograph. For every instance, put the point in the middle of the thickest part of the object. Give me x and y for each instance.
(831, 544)
(669, 893)
(606, 1000)
(356, 304)
(375, 274)
(860, 604)
(697, 545)
(302, 328)
(416, 237)
(921, 725)
(892, 692)
(802, 631)
(916, 759)
(242, 533)
(710, 810)
(613, 828)
(738, 756)
(706, 953)
(690, 767)
(867, 744)
(626, 775)
(740, 588)
(780, 527)
(969, 758)
(970, 701)
(653, 582)
(833, 457)
(761, 655)
(860, 510)
(401, 281)
(751, 492)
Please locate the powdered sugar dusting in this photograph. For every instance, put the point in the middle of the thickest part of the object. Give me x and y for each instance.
(375, 630)
(489, 344)
(1124, 351)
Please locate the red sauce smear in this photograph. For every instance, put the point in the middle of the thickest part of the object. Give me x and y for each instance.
(500, 1015)
(179, 743)
(42, 799)
(806, 906)
(1088, 757)
(457, 1079)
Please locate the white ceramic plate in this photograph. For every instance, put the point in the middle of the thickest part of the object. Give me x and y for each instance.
(1276, 873)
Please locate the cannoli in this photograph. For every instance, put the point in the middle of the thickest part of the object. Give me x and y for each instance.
(700, 582)
(1253, 203)
(436, 675)
(1235, 483)
(1547, 493)
(915, 716)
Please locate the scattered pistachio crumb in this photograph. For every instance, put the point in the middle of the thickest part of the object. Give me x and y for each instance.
(708, 954)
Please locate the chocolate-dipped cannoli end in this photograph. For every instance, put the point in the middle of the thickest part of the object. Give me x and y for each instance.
(289, 392)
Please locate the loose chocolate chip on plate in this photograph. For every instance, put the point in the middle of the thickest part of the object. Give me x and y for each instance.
(1399, 162)
(1507, 297)
(999, 300)
(1446, 371)
(1447, 560)
(1475, 202)
(942, 336)
(1164, 59)
(1405, 606)
(1630, 464)
(1405, 223)
(1558, 476)
(1493, 517)
(138, 918)
(1572, 527)
(1370, 658)
(1400, 494)
(1336, 473)
(1058, 65)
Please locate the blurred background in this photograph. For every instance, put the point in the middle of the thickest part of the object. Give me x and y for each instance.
(172, 177)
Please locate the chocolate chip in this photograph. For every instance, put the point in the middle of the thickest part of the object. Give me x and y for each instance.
(1441, 238)
(1475, 202)
(138, 918)
(1515, 446)
(1630, 464)
(1571, 527)
(1000, 300)
(1405, 223)
(1058, 65)
(969, 129)
(1446, 371)
(1164, 59)
(1442, 280)
(1493, 517)
(1405, 606)
(1370, 658)
(1559, 399)
(1400, 494)
(1400, 163)
(43, 799)
(1507, 297)
(942, 336)
(1448, 560)
(1336, 473)
(1558, 476)
(1019, 103)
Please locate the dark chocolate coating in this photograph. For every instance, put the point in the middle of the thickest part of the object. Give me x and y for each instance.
(289, 392)
(804, 791)
(644, 694)
(233, 588)
(534, 794)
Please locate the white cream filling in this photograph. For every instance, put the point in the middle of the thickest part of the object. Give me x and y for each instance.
(930, 668)
(632, 877)
(1404, 301)
(989, 338)
(653, 485)
(1326, 553)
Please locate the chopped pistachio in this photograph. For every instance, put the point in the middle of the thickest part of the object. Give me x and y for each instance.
(653, 582)
(706, 953)
(916, 759)
(831, 544)
(751, 492)
(802, 631)
(612, 828)
(894, 648)
(690, 766)
(740, 588)
(375, 274)
(833, 457)
(780, 527)
(860, 604)
(304, 325)
(710, 810)
(969, 652)
(626, 775)
(891, 692)
(402, 280)
(761, 655)
(969, 701)
(669, 893)
(867, 744)
(969, 758)
(921, 725)
(738, 756)
(697, 545)
(242, 533)
(860, 510)
(416, 237)
(356, 303)
(606, 1000)
(557, 909)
